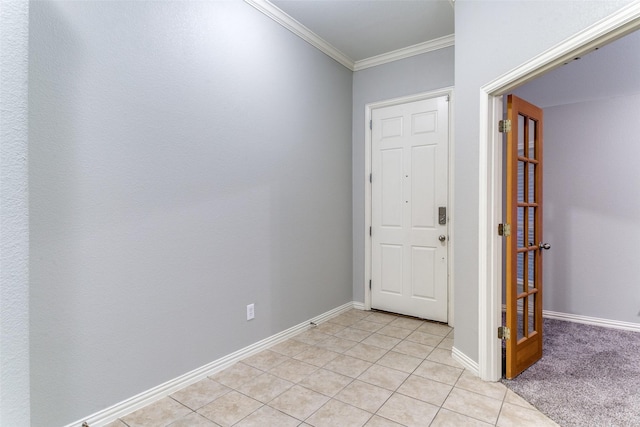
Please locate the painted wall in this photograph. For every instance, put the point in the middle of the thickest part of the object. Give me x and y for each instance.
(186, 159)
(421, 73)
(14, 226)
(612, 70)
(591, 192)
(493, 37)
(592, 206)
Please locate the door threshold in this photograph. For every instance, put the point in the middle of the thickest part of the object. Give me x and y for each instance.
(406, 316)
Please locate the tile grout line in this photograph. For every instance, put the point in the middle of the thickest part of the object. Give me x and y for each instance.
(387, 351)
(371, 414)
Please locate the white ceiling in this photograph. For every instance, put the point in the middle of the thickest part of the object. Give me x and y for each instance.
(613, 70)
(362, 29)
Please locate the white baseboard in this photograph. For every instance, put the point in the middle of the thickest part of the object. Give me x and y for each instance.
(465, 360)
(145, 398)
(587, 320)
(576, 318)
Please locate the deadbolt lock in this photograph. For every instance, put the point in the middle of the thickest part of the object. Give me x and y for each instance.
(442, 215)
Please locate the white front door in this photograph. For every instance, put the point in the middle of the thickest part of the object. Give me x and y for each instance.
(409, 194)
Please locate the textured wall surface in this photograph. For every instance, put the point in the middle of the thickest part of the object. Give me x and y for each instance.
(14, 233)
(422, 73)
(186, 159)
(485, 30)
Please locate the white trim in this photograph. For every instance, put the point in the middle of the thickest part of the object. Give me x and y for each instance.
(595, 321)
(586, 320)
(358, 305)
(611, 28)
(464, 360)
(279, 16)
(301, 31)
(406, 52)
(145, 398)
(490, 246)
(620, 23)
(451, 209)
(367, 206)
(367, 190)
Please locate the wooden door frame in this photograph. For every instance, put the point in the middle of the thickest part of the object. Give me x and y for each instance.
(448, 91)
(490, 256)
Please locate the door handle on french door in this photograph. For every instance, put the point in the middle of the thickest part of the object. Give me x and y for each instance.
(544, 246)
(442, 238)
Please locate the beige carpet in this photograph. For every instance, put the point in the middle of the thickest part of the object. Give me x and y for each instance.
(588, 376)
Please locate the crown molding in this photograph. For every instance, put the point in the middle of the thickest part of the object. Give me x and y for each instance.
(416, 49)
(279, 16)
(301, 31)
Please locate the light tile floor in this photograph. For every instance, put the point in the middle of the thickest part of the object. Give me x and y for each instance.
(357, 369)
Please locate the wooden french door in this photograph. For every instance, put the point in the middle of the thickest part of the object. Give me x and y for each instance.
(524, 243)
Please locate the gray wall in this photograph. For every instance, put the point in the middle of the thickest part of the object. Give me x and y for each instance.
(421, 73)
(186, 159)
(493, 37)
(592, 203)
(14, 232)
(592, 207)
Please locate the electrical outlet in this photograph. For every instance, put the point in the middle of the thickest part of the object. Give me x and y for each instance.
(250, 311)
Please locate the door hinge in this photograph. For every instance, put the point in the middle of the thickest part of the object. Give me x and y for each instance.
(504, 126)
(447, 98)
(370, 231)
(504, 333)
(504, 230)
(369, 284)
(371, 124)
(370, 177)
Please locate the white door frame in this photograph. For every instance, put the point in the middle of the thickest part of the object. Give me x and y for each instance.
(624, 21)
(367, 191)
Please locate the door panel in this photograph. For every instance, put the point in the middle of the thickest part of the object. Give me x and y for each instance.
(409, 182)
(423, 194)
(391, 183)
(423, 278)
(391, 267)
(523, 247)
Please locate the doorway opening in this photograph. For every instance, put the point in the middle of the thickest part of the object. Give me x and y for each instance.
(625, 21)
